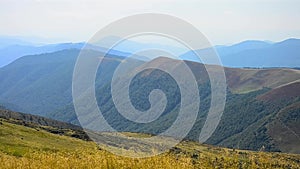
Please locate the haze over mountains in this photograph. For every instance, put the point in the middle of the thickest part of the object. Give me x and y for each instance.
(11, 53)
(251, 53)
(257, 54)
(41, 85)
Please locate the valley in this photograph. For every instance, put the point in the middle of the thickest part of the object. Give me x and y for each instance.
(41, 85)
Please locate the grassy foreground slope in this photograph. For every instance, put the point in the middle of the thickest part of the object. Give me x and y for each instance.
(33, 147)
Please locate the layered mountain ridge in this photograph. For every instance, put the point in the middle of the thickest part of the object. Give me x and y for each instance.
(41, 85)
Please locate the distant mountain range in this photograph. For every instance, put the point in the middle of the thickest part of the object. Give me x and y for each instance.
(11, 53)
(259, 101)
(251, 53)
(13, 48)
(256, 54)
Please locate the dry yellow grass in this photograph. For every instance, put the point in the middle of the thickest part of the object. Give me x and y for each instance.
(23, 147)
(103, 159)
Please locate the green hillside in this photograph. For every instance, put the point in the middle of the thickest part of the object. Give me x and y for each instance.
(41, 84)
(32, 147)
(245, 121)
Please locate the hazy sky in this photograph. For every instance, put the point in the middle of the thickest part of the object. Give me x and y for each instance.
(222, 21)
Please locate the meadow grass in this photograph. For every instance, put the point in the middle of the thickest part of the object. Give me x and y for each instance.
(24, 147)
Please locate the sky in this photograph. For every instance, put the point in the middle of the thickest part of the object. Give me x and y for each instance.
(221, 21)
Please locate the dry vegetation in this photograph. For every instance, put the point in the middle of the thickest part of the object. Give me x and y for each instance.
(24, 147)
